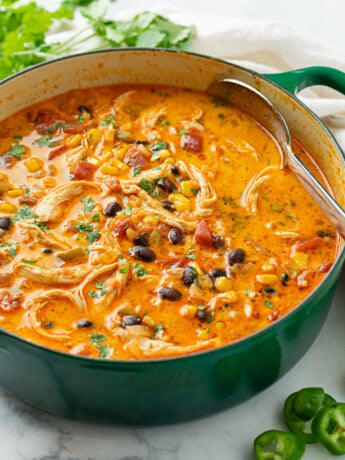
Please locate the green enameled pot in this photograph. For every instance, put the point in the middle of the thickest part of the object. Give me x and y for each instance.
(175, 389)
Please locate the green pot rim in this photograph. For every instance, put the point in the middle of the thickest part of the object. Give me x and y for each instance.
(99, 362)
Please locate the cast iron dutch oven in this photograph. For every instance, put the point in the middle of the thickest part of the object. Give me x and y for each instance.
(174, 389)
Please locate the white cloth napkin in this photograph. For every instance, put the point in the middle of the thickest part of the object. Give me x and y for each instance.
(264, 46)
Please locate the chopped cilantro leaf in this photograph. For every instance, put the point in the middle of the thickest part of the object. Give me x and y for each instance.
(93, 236)
(16, 151)
(146, 185)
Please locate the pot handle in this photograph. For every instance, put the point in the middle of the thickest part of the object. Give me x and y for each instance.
(296, 80)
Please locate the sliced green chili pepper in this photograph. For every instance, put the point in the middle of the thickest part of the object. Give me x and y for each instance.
(278, 445)
(307, 402)
(300, 426)
(328, 427)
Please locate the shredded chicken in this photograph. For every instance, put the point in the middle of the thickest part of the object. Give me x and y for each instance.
(50, 208)
(67, 276)
(37, 302)
(207, 196)
(250, 195)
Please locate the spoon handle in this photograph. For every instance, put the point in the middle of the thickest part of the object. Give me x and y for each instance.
(327, 203)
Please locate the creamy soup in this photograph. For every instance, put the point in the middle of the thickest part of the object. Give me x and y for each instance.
(145, 221)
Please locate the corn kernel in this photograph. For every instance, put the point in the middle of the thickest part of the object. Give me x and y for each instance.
(203, 334)
(220, 325)
(94, 135)
(301, 260)
(230, 297)
(33, 164)
(16, 192)
(119, 164)
(161, 155)
(175, 197)
(267, 268)
(74, 141)
(94, 161)
(182, 206)
(106, 155)
(86, 116)
(130, 233)
(267, 279)
(187, 187)
(223, 284)
(110, 170)
(170, 161)
(8, 208)
(218, 342)
(150, 220)
(188, 310)
(49, 182)
(120, 151)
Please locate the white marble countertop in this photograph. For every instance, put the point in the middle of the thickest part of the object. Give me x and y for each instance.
(28, 434)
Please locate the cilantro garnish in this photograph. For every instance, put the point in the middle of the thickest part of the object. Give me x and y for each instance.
(16, 151)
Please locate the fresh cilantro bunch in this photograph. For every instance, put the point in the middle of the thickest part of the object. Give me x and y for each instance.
(24, 28)
(146, 29)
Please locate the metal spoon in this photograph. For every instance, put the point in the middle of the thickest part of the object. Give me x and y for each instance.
(262, 110)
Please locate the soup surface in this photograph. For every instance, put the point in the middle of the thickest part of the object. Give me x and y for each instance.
(141, 222)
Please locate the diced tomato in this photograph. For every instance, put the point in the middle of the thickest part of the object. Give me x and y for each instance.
(73, 127)
(191, 142)
(134, 157)
(308, 244)
(83, 171)
(31, 201)
(274, 316)
(121, 227)
(203, 234)
(47, 116)
(325, 267)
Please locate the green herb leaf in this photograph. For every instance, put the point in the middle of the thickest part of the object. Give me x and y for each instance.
(127, 211)
(268, 304)
(93, 236)
(157, 329)
(146, 185)
(97, 338)
(16, 151)
(104, 351)
(83, 227)
(88, 203)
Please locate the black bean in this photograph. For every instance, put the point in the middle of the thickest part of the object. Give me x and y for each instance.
(237, 256)
(174, 170)
(269, 291)
(169, 293)
(141, 240)
(324, 234)
(189, 275)
(216, 272)
(143, 253)
(204, 315)
(217, 241)
(175, 236)
(285, 278)
(48, 325)
(130, 320)
(84, 323)
(5, 223)
(166, 185)
(112, 209)
(47, 251)
(84, 109)
(168, 205)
